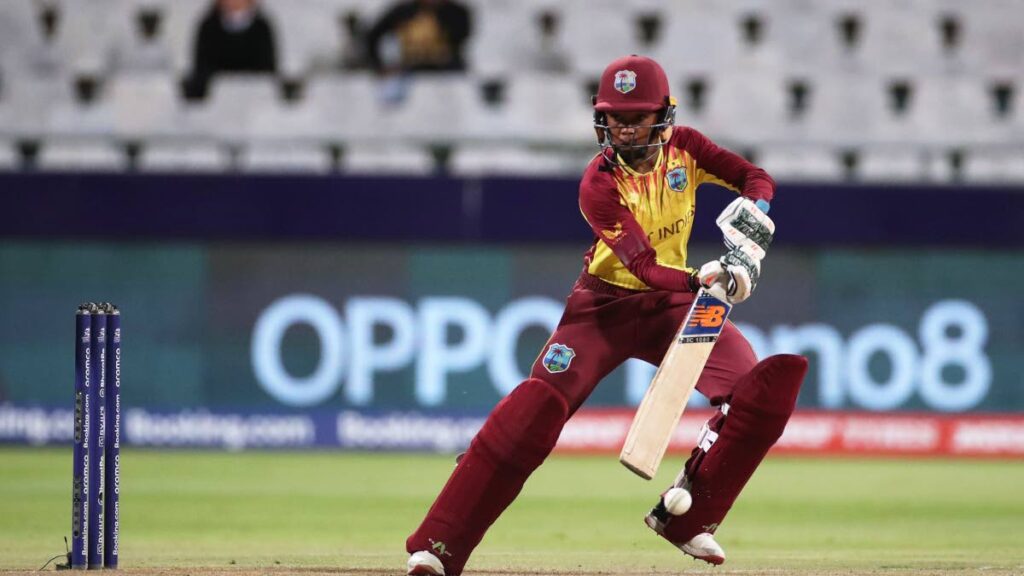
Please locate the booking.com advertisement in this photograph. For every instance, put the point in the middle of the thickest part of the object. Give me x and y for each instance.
(374, 346)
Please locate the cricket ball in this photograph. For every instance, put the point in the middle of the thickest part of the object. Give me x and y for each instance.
(677, 501)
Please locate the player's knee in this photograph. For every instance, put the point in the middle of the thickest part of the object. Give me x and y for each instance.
(772, 385)
(523, 428)
(765, 397)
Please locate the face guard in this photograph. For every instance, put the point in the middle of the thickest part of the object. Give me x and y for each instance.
(635, 150)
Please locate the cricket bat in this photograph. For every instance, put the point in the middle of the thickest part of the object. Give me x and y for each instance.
(663, 404)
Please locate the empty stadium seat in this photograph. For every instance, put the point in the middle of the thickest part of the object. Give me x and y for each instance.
(476, 161)
(889, 164)
(390, 159)
(86, 33)
(437, 107)
(699, 38)
(993, 43)
(77, 119)
(131, 51)
(9, 157)
(793, 163)
(994, 166)
(184, 156)
(345, 107)
(303, 29)
(501, 30)
(145, 105)
(82, 156)
(804, 34)
(747, 107)
(31, 99)
(548, 108)
(285, 157)
(233, 103)
(901, 37)
(956, 111)
(600, 31)
(182, 22)
(852, 109)
(18, 27)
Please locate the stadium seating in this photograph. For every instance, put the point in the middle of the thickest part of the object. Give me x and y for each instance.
(8, 156)
(90, 155)
(935, 83)
(285, 158)
(184, 156)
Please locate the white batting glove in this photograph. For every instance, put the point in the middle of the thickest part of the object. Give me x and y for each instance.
(746, 225)
(732, 278)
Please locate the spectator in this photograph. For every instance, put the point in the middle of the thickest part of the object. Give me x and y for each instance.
(235, 36)
(428, 35)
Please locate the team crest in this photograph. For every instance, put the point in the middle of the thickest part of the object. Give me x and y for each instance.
(558, 358)
(676, 179)
(625, 81)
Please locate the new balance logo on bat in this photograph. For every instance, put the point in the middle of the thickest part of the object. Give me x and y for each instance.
(707, 316)
(705, 320)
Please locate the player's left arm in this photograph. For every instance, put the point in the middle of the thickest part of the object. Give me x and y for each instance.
(745, 225)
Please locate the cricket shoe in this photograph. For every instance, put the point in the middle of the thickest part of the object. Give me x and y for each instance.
(424, 563)
(701, 547)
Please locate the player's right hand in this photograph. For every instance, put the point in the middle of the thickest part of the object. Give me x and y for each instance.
(731, 278)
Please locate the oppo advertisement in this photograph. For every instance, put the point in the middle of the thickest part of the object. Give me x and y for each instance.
(242, 345)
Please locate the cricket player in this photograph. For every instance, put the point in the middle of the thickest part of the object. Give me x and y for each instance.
(639, 197)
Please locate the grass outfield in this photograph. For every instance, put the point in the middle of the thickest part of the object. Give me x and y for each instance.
(209, 512)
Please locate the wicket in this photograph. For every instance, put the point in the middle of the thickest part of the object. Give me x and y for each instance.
(95, 500)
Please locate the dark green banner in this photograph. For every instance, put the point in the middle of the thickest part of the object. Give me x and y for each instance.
(314, 326)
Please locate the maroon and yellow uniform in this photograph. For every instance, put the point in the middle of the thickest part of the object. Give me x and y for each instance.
(628, 302)
(642, 222)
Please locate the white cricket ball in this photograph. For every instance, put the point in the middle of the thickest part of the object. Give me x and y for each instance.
(677, 501)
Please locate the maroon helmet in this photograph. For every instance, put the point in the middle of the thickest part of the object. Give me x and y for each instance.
(633, 84)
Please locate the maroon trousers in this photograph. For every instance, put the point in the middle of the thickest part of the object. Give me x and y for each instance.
(602, 327)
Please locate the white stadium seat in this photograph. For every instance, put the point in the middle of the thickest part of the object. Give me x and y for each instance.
(182, 19)
(1000, 166)
(145, 105)
(82, 156)
(993, 42)
(233, 103)
(851, 109)
(699, 38)
(476, 161)
(384, 159)
(344, 107)
(956, 111)
(501, 30)
(892, 164)
(438, 108)
(182, 156)
(794, 163)
(747, 107)
(549, 108)
(285, 158)
(304, 29)
(9, 157)
(901, 37)
(601, 31)
(30, 100)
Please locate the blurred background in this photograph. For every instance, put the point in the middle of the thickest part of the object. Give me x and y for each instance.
(351, 224)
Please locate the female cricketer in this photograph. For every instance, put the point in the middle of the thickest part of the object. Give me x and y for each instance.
(638, 195)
